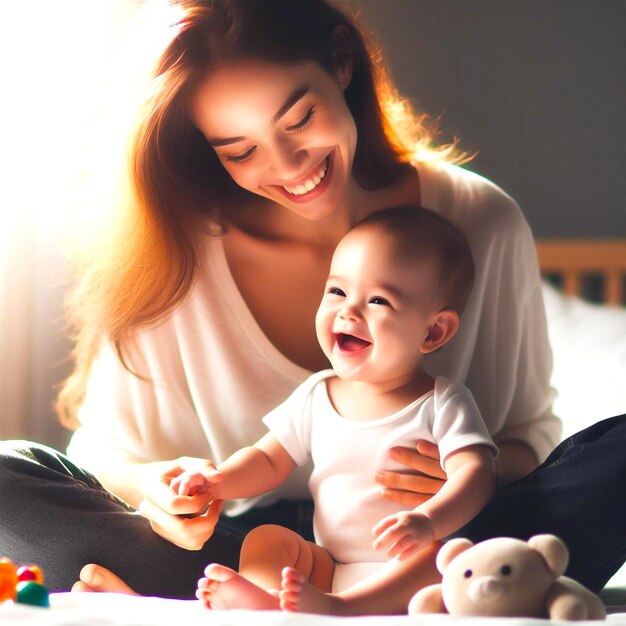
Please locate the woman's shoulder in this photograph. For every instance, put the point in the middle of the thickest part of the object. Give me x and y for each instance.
(462, 193)
(472, 202)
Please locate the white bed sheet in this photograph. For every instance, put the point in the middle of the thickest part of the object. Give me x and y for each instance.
(119, 610)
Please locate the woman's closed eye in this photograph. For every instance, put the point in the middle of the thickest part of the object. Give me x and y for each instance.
(240, 158)
(304, 122)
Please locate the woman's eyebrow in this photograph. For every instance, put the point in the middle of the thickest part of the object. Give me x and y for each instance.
(297, 95)
(293, 98)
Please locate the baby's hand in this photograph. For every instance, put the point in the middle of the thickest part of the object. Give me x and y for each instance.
(403, 534)
(189, 484)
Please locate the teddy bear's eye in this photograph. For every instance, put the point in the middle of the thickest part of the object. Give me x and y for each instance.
(468, 573)
(506, 570)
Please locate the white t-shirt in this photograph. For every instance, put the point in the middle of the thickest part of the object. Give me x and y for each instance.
(215, 374)
(347, 453)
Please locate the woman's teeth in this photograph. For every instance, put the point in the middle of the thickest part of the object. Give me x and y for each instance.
(309, 184)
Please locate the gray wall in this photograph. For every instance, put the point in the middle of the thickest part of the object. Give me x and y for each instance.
(537, 87)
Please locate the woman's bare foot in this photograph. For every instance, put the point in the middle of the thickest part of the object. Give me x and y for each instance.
(98, 579)
(296, 594)
(223, 588)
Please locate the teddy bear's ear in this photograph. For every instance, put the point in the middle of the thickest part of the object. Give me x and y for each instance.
(553, 550)
(450, 550)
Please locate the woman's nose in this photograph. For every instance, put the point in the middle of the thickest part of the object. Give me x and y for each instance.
(287, 160)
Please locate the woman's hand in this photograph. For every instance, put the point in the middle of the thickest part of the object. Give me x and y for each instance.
(97, 579)
(413, 489)
(185, 521)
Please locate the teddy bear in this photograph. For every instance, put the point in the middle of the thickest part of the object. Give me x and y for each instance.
(507, 577)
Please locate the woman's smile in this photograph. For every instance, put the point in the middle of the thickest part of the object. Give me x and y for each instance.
(311, 186)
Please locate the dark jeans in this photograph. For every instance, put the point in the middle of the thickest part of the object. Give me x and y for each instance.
(578, 494)
(56, 515)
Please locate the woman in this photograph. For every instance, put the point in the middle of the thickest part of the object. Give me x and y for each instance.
(265, 133)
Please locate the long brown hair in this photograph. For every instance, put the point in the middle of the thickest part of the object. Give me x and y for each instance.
(176, 186)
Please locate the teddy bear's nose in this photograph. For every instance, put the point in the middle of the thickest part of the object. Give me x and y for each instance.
(485, 588)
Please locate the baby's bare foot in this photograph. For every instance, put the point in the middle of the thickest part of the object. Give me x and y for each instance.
(296, 594)
(223, 588)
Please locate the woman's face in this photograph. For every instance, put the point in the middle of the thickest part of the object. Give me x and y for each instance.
(283, 132)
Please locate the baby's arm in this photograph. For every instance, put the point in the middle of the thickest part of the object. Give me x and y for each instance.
(248, 472)
(471, 483)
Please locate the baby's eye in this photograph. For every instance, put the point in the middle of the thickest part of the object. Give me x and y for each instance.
(335, 291)
(379, 300)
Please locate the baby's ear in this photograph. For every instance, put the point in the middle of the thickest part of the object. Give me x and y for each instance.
(442, 329)
(450, 550)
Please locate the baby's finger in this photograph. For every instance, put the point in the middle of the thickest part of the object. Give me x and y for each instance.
(384, 523)
(404, 544)
(389, 537)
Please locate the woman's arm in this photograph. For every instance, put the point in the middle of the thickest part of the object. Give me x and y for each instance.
(515, 460)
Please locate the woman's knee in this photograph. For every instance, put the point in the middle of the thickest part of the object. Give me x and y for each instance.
(20, 458)
(18, 464)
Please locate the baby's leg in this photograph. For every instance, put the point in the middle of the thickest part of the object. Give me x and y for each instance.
(386, 592)
(265, 552)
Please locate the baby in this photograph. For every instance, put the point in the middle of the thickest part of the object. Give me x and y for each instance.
(397, 286)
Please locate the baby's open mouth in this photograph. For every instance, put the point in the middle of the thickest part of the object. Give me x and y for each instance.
(350, 343)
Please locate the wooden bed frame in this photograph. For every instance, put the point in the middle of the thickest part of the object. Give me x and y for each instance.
(573, 259)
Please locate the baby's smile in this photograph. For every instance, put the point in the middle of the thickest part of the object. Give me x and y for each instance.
(351, 343)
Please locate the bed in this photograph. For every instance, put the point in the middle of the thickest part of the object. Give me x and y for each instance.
(582, 333)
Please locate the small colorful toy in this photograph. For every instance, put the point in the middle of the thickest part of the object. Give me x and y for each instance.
(8, 580)
(31, 592)
(30, 572)
(23, 585)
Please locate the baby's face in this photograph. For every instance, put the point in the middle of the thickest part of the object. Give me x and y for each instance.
(376, 309)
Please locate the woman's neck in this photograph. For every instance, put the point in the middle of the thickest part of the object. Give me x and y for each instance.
(263, 219)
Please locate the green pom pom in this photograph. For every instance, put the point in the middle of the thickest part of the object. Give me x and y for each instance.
(30, 592)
